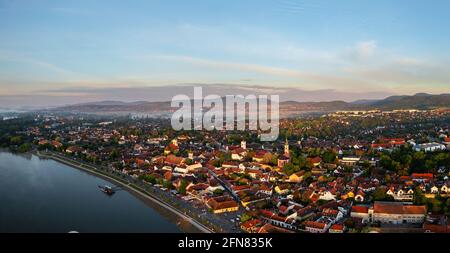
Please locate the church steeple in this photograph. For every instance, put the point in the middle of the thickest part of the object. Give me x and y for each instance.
(286, 148)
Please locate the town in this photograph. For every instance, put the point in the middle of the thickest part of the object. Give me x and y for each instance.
(342, 172)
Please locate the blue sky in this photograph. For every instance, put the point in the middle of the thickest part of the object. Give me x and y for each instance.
(400, 47)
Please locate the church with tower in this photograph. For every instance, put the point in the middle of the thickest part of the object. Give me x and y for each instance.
(285, 158)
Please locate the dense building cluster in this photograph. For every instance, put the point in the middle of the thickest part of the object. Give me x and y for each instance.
(367, 171)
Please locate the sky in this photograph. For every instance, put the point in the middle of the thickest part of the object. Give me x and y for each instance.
(64, 49)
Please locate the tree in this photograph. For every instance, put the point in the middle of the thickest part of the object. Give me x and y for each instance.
(386, 162)
(379, 194)
(15, 140)
(290, 169)
(189, 161)
(149, 178)
(245, 217)
(114, 154)
(329, 157)
(218, 192)
(435, 206)
(418, 162)
(419, 197)
(24, 148)
(447, 207)
(183, 186)
(167, 184)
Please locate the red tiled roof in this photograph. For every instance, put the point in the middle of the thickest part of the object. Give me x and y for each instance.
(388, 207)
(360, 209)
(337, 227)
(316, 159)
(422, 175)
(314, 224)
(250, 223)
(414, 210)
(171, 159)
(221, 203)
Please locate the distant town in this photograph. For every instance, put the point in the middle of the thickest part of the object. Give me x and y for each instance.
(368, 171)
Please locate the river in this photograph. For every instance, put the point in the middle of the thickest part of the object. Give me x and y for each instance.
(40, 195)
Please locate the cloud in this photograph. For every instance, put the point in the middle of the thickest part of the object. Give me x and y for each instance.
(224, 65)
(406, 74)
(13, 57)
(407, 61)
(365, 49)
(74, 95)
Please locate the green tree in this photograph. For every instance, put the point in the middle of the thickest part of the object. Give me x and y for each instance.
(183, 186)
(380, 194)
(24, 148)
(16, 140)
(419, 197)
(329, 157)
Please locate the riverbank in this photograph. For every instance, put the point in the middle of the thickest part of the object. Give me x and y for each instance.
(134, 189)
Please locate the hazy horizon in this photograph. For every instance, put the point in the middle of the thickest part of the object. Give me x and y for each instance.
(55, 53)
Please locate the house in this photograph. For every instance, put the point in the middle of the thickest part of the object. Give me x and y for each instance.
(445, 189)
(349, 160)
(314, 161)
(174, 160)
(397, 213)
(422, 177)
(447, 140)
(336, 229)
(138, 148)
(259, 156)
(56, 144)
(182, 169)
(296, 177)
(43, 142)
(222, 204)
(401, 193)
(253, 173)
(384, 143)
(194, 167)
(434, 189)
(172, 147)
(282, 160)
(430, 147)
(316, 227)
(304, 213)
(326, 195)
(265, 189)
(74, 150)
(279, 221)
(230, 165)
(318, 171)
(361, 212)
(195, 189)
(251, 226)
(282, 189)
(238, 154)
(269, 228)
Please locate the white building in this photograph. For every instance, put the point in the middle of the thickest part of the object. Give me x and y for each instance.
(430, 147)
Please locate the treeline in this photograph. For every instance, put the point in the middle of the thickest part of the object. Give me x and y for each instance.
(405, 161)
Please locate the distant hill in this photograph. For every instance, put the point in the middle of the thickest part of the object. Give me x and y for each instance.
(418, 101)
(287, 108)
